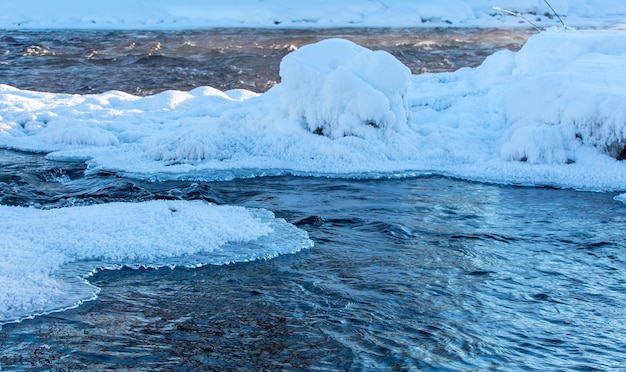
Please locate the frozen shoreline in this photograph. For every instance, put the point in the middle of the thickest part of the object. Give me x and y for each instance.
(202, 14)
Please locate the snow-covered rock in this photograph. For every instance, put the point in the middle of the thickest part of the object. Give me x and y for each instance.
(567, 88)
(337, 88)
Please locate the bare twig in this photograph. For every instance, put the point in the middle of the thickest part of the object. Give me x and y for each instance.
(518, 14)
(555, 13)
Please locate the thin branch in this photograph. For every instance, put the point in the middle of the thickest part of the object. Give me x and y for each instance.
(518, 14)
(555, 13)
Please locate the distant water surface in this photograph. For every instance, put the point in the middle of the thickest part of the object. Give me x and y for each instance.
(149, 62)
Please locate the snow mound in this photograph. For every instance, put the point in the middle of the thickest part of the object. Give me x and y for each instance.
(337, 88)
(45, 254)
(568, 91)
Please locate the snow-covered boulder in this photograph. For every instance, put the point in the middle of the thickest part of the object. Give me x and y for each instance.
(337, 88)
(567, 90)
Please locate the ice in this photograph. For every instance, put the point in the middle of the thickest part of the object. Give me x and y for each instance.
(44, 254)
(72, 132)
(536, 144)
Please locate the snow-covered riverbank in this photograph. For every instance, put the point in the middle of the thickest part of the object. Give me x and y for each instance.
(164, 14)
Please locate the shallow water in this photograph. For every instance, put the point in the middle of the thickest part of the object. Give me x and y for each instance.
(406, 274)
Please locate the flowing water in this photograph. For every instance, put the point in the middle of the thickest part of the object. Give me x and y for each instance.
(142, 63)
(406, 274)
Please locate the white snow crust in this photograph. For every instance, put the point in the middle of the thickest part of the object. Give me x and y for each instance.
(45, 254)
(185, 14)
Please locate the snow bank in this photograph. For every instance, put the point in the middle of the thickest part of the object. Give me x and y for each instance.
(44, 254)
(550, 114)
(570, 90)
(557, 103)
(186, 14)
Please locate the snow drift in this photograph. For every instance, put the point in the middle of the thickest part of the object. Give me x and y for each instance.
(550, 114)
(570, 91)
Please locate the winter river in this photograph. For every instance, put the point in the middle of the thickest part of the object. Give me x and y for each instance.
(405, 274)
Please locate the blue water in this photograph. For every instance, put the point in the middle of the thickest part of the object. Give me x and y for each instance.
(406, 274)
(424, 272)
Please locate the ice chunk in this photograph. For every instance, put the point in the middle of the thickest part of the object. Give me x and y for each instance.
(44, 254)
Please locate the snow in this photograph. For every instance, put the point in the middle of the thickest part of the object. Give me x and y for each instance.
(336, 88)
(343, 110)
(579, 84)
(44, 254)
(185, 14)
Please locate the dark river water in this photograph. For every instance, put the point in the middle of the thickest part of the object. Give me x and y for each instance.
(406, 274)
(145, 63)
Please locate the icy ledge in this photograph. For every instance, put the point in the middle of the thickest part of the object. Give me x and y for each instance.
(621, 198)
(551, 114)
(45, 255)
